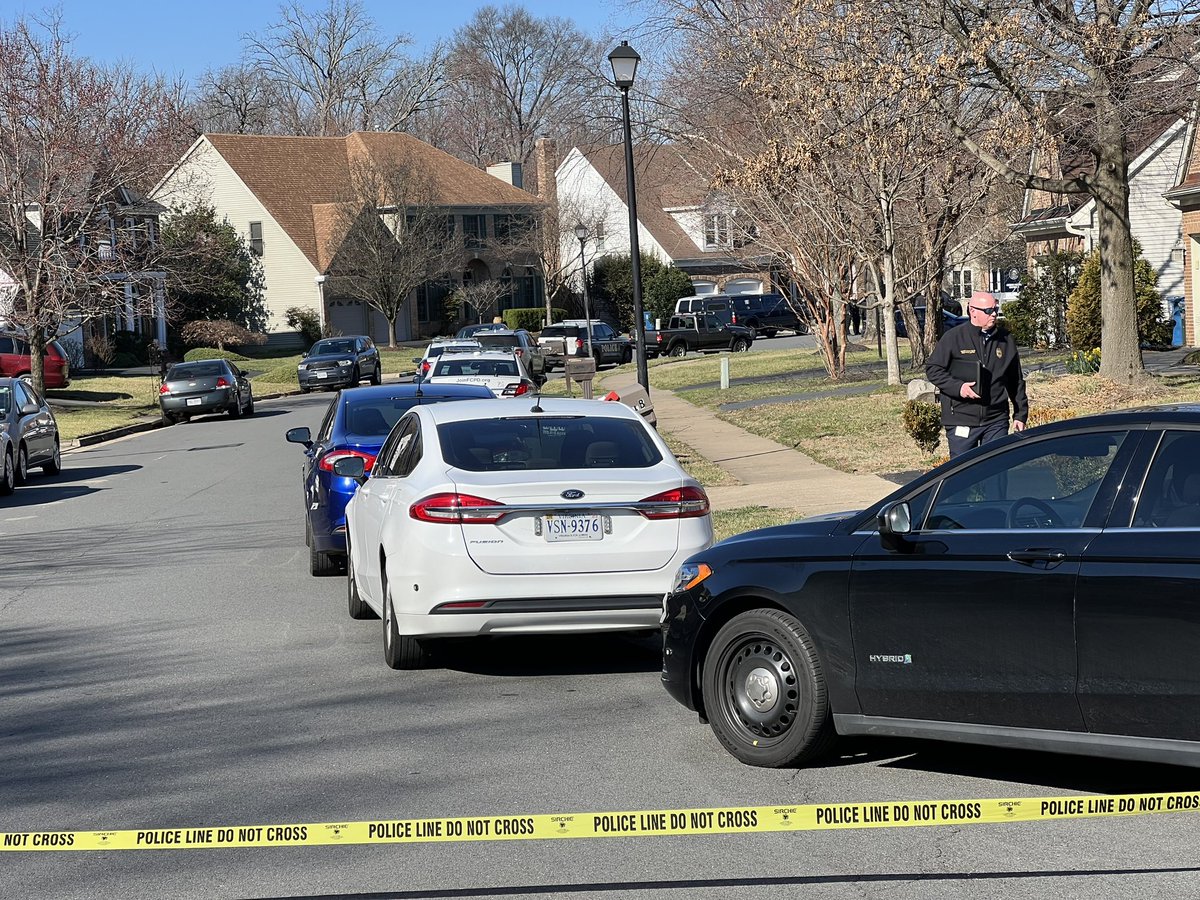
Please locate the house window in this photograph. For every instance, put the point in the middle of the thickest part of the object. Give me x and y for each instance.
(961, 286)
(600, 235)
(431, 301)
(474, 230)
(256, 238)
(718, 231)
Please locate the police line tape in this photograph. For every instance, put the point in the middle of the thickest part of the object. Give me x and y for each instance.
(727, 820)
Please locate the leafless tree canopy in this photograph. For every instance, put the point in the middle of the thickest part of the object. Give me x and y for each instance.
(79, 143)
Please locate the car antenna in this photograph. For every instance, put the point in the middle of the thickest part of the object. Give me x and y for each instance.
(537, 398)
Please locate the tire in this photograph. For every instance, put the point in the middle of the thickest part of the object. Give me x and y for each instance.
(739, 345)
(679, 350)
(7, 482)
(306, 390)
(21, 469)
(168, 420)
(357, 379)
(627, 356)
(356, 607)
(377, 378)
(400, 651)
(235, 411)
(774, 650)
(54, 466)
(250, 405)
(320, 563)
(597, 356)
(770, 332)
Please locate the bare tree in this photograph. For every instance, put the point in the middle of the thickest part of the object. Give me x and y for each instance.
(1076, 81)
(480, 297)
(78, 142)
(389, 238)
(238, 99)
(335, 71)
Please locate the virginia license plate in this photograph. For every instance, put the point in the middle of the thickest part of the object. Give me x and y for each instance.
(573, 528)
(326, 374)
(194, 401)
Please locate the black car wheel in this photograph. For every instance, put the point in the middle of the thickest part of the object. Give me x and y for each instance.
(168, 419)
(764, 691)
(7, 481)
(356, 377)
(678, 350)
(54, 466)
(21, 470)
(400, 651)
(377, 378)
(357, 608)
(627, 356)
(250, 405)
(235, 410)
(739, 345)
(770, 332)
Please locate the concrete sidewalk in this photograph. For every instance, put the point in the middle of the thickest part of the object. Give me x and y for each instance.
(771, 474)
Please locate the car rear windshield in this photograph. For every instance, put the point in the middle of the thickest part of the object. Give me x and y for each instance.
(547, 442)
(195, 370)
(331, 347)
(497, 340)
(553, 331)
(449, 365)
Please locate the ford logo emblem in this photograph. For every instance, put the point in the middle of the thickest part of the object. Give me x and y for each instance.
(571, 494)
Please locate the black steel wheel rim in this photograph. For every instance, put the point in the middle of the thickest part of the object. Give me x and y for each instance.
(760, 689)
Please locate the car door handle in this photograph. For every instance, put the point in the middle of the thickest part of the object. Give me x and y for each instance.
(1049, 556)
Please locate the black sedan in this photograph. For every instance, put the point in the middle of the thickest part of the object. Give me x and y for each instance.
(204, 386)
(28, 434)
(1038, 592)
(339, 362)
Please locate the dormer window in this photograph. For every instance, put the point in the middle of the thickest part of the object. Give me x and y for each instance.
(718, 231)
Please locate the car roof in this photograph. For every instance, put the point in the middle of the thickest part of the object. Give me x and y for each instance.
(497, 353)
(550, 407)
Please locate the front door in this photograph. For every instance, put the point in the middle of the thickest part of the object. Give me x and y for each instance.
(972, 619)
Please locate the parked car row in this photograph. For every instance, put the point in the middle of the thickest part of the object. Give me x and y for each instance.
(29, 436)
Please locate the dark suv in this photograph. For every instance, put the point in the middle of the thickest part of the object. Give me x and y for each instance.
(339, 362)
(569, 338)
(767, 314)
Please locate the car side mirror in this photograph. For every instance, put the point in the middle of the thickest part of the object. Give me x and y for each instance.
(351, 467)
(895, 524)
(304, 354)
(299, 435)
(30, 409)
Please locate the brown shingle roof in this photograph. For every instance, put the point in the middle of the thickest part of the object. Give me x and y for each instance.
(295, 178)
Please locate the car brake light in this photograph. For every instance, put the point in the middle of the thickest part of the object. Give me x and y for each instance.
(677, 503)
(657, 337)
(327, 461)
(516, 389)
(222, 382)
(456, 509)
(732, 316)
(163, 389)
(425, 367)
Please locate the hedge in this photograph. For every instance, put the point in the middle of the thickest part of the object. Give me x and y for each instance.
(530, 318)
(211, 353)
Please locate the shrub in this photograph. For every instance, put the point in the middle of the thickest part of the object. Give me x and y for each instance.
(1083, 308)
(923, 422)
(126, 360)
(75, 355)
(306, 321)
(220, 332)
(530, 318)
(127, 344)
(211, 353)
(102, 350)
(1038, 316)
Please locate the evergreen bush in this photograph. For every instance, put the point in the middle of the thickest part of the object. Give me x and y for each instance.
(1083, 307)
(923, 422)
(211, 353)
(530, 317)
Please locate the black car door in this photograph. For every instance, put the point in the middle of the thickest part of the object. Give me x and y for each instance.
(971, 618)
(1138, 602)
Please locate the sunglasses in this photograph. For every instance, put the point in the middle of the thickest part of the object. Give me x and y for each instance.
(987, 310)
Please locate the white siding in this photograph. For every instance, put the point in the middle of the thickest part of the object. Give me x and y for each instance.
(205, 175)
(584, 196)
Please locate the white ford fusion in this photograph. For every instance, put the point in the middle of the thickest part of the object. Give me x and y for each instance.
(542, 517)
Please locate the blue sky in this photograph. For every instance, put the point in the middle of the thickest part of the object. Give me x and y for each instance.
(175, 37)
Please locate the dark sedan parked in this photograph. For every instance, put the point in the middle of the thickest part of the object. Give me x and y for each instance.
(356, 424)
(339, 362)
(28, 434)
(1038, 592)
(204, 386)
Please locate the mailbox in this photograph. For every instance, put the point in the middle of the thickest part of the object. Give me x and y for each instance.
(583, 370)
(636, 397)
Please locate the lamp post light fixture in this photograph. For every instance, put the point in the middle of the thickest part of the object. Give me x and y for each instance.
(624, 60)
(581, 232)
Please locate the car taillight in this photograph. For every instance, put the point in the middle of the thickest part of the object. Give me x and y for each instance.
(163, 389)
(732, 315)
(222, 382)
(455, 509)
(516, 389)
(329, 459)
(678, 503)
(425, 366)
(658, 337)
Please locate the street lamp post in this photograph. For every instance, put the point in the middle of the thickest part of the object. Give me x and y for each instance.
(581, 233)
(624, 60)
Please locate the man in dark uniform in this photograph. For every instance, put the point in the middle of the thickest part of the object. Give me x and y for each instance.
(978, 372)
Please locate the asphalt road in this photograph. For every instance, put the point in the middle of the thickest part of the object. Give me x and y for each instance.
(166, 660)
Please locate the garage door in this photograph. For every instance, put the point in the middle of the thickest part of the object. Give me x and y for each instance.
(346, 317)
(745, 286)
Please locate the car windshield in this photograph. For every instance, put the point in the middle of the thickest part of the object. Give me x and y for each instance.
(547, 443)
(454, 366)
(196, 370)
(322, 347)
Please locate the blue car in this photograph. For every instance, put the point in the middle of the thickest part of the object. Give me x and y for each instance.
(356, 424)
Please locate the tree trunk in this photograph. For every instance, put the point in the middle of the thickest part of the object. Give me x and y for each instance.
(1120, 350)
(889, 289)
(37, 358)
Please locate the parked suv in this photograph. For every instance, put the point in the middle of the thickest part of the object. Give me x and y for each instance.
(521, 342)
(569, 338)
(767, 314)
(339, 362)
(16, 362)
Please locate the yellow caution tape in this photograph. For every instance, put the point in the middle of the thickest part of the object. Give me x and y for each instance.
(727, 820)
